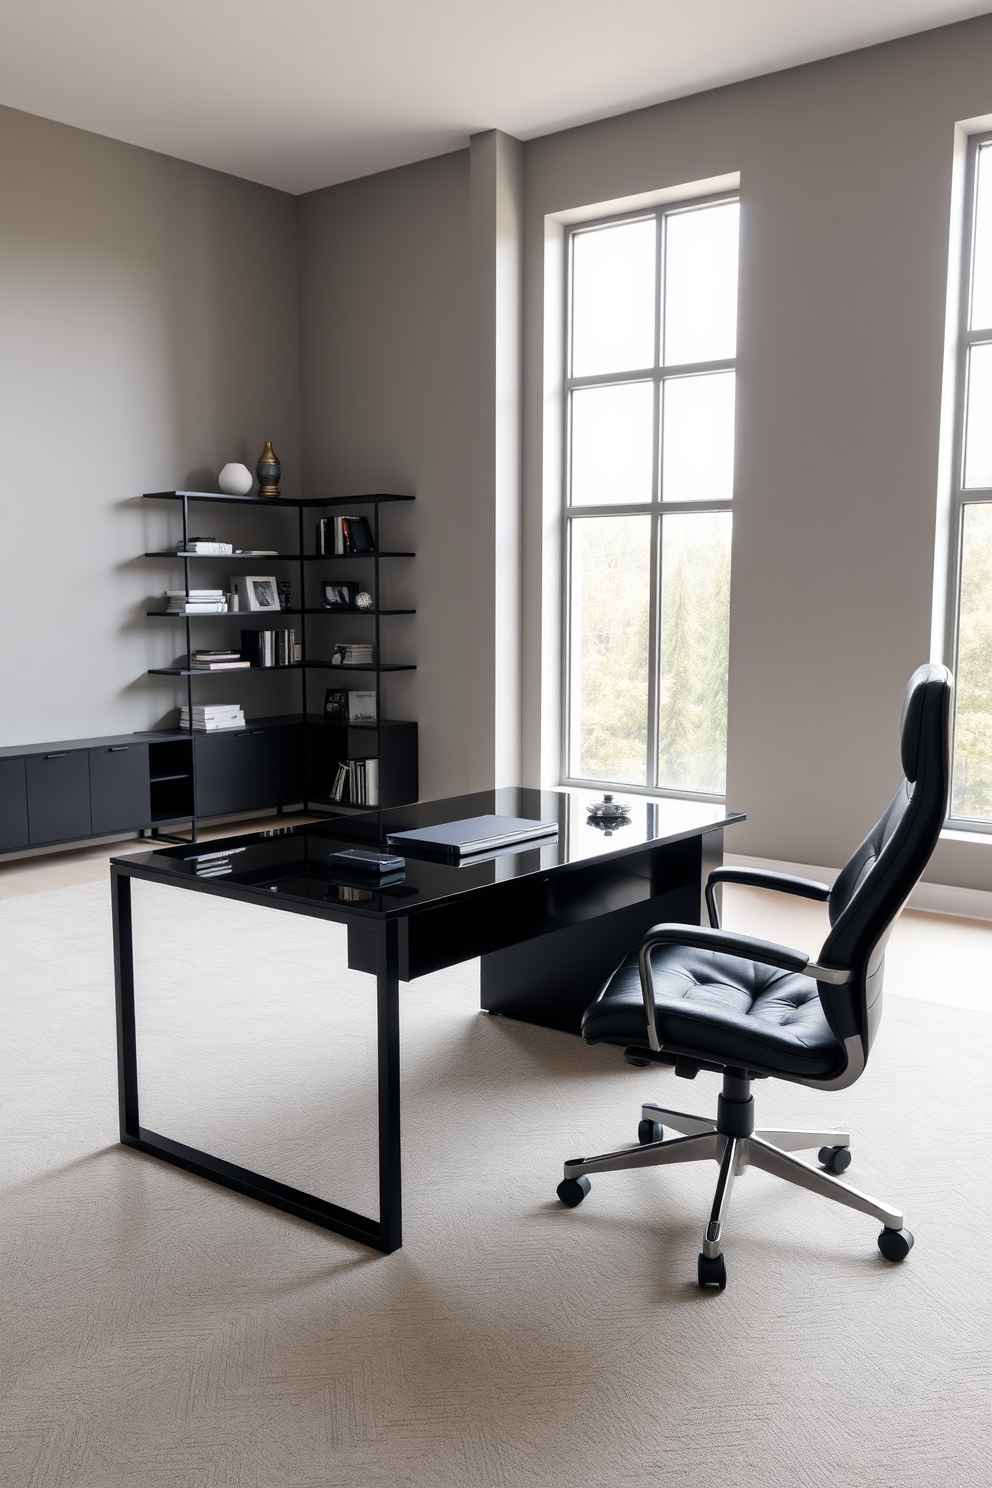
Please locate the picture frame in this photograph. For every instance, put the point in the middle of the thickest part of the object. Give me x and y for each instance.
(258, 592)
(337, 595)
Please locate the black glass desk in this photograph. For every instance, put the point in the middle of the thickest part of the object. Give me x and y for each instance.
(550, 921)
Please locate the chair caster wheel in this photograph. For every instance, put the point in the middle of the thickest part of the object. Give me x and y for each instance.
(711, 1271)
(835, 1159)
(895, 1245)
(650, 1131)
(572, 1191)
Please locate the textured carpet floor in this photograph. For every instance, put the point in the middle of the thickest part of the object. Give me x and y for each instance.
(160, 1332)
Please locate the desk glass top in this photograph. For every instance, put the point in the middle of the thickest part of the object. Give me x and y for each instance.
(293, 861)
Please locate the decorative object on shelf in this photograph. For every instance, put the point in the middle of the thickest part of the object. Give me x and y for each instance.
(341, 706)
(235, 480)
(607, 815)
(256, 592)
(285, 593)
(336, 596)
(268, 471)
(363, 600)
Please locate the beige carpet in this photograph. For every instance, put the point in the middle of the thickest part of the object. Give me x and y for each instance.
(163, 1333)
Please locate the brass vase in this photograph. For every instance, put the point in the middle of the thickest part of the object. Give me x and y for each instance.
(268, 471)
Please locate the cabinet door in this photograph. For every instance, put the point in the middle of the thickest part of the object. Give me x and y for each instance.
(223, 773)
(119, 790)
(58, 796)
(277, 765)
(13, 805)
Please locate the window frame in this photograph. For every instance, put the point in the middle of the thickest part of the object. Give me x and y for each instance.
(960, 495)
(656, 509)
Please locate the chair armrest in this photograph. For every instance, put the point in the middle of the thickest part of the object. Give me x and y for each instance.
(726, 943)
(762, 878)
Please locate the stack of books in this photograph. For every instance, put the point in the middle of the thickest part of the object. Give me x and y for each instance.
(353, 655)
(212, 718)
(356, 782)
(204, 545)
(344, 535)
(196, 602)
(218, 661)
(269, 648)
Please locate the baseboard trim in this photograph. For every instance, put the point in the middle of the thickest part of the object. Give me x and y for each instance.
(944, 899)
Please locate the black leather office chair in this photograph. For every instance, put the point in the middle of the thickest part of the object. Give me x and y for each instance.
(746, 1008)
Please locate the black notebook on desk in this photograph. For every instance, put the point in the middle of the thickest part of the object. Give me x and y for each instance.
(475, 834)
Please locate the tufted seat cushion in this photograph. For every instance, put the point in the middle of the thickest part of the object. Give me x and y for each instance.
(721, 1008)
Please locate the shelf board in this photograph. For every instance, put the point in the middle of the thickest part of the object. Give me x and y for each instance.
(349, 612)
(292, 666)
(279, 557)
(352, 666)
(226, 614)
(372, 497)
(158, 779)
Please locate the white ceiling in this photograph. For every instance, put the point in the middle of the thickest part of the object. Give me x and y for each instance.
(300, 94)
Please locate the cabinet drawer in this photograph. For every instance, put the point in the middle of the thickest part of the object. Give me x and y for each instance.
(119, 790)
(13, 805)
(58, 796)
(223, 773)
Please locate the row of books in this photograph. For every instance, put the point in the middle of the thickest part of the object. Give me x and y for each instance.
(195, 601)
(356, 783)
(212, 718)
(340, 535)
(269, 648)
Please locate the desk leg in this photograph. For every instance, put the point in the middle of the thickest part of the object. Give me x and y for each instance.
(388, 1005)
(384, 1233)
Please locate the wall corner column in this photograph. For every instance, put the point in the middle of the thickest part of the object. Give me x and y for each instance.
(496, 212)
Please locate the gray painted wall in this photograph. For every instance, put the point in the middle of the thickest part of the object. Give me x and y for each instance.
(147, 336)
(845, 184)
(147, 318)
(387, 406)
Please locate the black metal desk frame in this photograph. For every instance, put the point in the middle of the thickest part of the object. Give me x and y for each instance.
(535, 967)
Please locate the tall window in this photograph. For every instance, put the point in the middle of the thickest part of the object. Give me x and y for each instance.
(971, 790)
(650, 374)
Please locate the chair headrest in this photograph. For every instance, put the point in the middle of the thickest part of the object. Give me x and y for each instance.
(926, 688)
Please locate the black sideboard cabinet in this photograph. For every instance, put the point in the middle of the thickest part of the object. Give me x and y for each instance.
(51, 793)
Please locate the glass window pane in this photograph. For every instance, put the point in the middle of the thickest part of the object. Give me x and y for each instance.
(610, 618)
(613, 272)
(971, 790)
(701, 284)
(981, 291)
(978, 425)
(612, 438)
(698, 438)
(695, 633)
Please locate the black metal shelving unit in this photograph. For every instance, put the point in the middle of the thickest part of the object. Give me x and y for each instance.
(384, 740)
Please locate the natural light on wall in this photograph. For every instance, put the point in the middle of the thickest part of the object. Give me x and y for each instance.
(971, 793)
(649, 483)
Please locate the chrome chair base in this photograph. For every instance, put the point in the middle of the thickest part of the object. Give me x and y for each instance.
(767, 1148)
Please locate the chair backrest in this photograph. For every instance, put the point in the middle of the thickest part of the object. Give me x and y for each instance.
(878, 878)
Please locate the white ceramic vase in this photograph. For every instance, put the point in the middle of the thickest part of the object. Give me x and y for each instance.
(235, 480)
